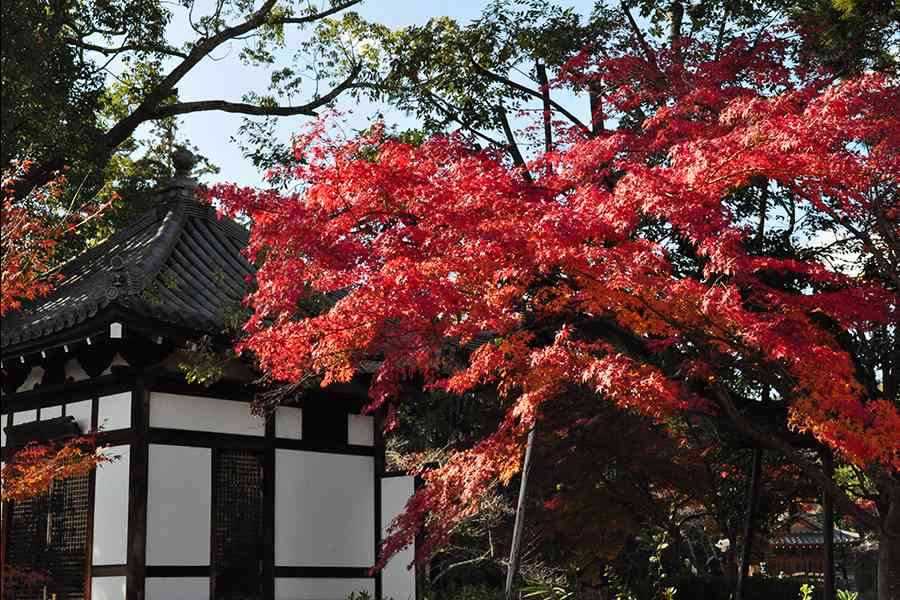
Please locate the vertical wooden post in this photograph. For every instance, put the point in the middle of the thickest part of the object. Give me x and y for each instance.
(269, 474)
(749, 522)
(514, 550)
(139, 455)
(828, 528)
(379, 460)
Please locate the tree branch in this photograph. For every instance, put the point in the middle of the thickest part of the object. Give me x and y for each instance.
(526, 90)
(545, 98)
(642, 41)
(146, 109)
(124, 48)
(315, 17)
(511, 144)
(244, 108)
(631, 345)
(773, 442)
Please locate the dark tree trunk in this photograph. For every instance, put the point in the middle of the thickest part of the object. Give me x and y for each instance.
(828, 529)
(515, 549)
(750, 521)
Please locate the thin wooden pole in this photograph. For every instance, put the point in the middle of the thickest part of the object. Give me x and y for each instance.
(749, 522)
(515, 548)
(828, 528)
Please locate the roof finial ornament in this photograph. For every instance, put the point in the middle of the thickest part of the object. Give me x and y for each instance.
(184, 161)
(180, 187)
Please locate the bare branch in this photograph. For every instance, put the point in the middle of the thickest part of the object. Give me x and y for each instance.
(511, 144)
(813, 471)
(642, 41)
(535, 93)
(159, 49)
(244, 108)
(320, 15)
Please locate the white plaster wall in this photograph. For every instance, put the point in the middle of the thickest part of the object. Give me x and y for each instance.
(397, 582)
(177, 588)
(324, 509)
(51, 412)
(360, 430)
(203, 414)
(82, 413)
(108, 588)
(34, 377)
(24, 416)
(73, 369)
(114, 412)
(289, 422)
(111, 509)
(178, 505)
(321, 589)
(116, 362)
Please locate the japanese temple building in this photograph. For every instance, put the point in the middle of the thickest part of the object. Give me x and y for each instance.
(796, 547)
(204, 500)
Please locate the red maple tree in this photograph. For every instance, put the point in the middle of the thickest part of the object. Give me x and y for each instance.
(31, 228)
(624, 264)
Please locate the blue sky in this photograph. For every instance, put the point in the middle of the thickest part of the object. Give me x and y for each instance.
(227, 78)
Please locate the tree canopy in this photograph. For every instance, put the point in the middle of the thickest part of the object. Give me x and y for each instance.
(729, 229)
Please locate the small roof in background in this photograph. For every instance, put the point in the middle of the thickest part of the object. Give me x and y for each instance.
(178, 263)
(810, 532)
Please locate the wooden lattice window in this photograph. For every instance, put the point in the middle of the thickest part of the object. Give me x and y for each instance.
(47, 542)
(237, 525)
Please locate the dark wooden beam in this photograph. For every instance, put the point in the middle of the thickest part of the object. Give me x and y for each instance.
(137, 494)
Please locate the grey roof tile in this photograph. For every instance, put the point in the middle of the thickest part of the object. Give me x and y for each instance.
(178, 263)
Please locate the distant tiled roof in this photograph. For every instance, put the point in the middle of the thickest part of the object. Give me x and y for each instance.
(813, 537)
(178, 263)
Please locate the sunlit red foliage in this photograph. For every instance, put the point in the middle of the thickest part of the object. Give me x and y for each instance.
(34, 468)
(429, 248)
(30, 230)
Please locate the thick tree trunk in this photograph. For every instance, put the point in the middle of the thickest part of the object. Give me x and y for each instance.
(889, 550)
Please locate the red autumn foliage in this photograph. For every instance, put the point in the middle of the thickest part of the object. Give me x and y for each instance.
(34, 468)
(31, 228)
(428, 248)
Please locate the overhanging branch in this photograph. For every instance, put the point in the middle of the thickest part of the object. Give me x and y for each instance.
(535, 93)
(245, 108)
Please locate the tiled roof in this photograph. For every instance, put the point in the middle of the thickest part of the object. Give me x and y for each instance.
(814, 536)
(178, 263)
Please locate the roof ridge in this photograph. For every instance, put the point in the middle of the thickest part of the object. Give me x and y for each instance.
(181, 238)
(160, 246)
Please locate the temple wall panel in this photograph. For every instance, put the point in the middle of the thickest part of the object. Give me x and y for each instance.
(321, 588)
(111, 509)
(324, 509)
(175, 411)
(398, 582)
(177, 588)
(178, 505)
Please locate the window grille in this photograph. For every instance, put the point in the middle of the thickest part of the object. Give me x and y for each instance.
(237, 525)
(48, 539)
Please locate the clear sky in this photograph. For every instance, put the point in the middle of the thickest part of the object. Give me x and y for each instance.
(227, 78)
